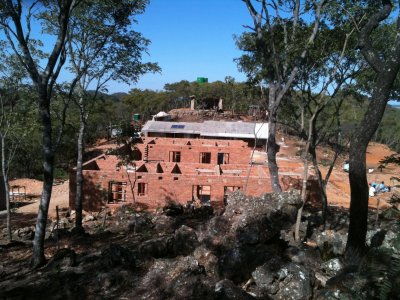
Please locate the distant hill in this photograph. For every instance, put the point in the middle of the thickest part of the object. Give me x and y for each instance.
(115, 96)
(119, 95)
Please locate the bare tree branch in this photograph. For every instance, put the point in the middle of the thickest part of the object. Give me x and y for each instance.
(365, 43)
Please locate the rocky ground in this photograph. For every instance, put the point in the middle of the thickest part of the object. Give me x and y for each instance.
(244, 252)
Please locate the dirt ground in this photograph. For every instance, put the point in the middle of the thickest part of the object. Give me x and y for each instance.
(338, 188)
(33, 188)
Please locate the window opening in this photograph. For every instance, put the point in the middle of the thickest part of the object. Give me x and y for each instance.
(223, 158)
(116, 192)
(202, 193)
(175, 156)
(142, 189)
(205, 157)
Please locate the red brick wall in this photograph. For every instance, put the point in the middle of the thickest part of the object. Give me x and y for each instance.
(165, 187)
(238, 151)
(162, 188)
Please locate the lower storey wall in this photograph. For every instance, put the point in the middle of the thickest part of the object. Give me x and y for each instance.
(157, 190)
(160, 189)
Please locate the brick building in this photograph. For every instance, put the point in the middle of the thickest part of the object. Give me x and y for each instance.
(175, 169)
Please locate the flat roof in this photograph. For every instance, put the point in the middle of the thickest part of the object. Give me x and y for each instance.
(210, 129)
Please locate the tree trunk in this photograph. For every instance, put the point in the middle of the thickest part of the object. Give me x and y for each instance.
(79, 170)
(356, 246)
(322, 184)
(272, 147)
(304, 185)
(6, 186)
(38, 258)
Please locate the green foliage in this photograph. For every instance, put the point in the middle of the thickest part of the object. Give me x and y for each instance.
(237, 96)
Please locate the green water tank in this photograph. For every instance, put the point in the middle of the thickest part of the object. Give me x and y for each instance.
(136, 117)
(201, 80)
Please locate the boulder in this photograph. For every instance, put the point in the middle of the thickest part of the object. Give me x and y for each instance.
(389, 239)
(24, 234)
(179, 278)
(256, 220)
(345, 285)
(116, 255)
(158, 247)
(251, 221)
(207, 259)
(227, 290)
(88, 218)
(163, 224)
(185, 240)
(173, 209)
(284, 280)
(140, 223)
(331, 240)
(237, 263)
(332, 267)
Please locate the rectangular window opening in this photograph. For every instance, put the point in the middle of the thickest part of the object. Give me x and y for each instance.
(223, 158)
(205, 157)
(175, 156)
(142, 189)
(202, 193)
(117, 192)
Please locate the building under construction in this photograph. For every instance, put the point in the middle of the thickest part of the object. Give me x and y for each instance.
(181, 163)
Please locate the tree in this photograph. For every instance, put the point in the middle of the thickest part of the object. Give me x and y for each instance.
(331, 66)
(275, 47)
(8, 147)
(386, 66)
(101, 47)
(15, 22)
(12, 125)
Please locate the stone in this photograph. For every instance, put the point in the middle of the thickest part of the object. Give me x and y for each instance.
(390, 214)
(24, 234)
(140, 223)
(284, 280)
(249, 220)
(335, 241)
(173, 209)
(227, 290)
(238, 263)
(88, 218)
(158, 247)
(332, 267)
(185, 240)
(208, 259)
(179, 278)
(116, 255)
(345, 285)
(389, 239)
(163, 224)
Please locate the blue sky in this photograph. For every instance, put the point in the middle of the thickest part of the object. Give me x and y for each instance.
(190, 39)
